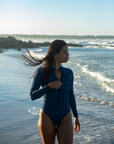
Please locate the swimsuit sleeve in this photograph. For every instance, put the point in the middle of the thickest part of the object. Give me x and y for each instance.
(72, 99)
(35, 92)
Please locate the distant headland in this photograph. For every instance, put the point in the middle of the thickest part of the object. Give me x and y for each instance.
(11, 42)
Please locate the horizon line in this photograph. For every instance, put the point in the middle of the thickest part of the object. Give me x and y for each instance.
(56, 35)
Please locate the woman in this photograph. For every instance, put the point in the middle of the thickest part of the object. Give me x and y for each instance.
(57, 90)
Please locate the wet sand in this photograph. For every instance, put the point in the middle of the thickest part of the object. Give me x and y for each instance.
(17, 125)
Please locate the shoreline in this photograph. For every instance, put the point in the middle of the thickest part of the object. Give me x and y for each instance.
(11, 42)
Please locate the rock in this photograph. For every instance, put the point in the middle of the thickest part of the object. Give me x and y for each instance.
(11, 42)
(1, 51)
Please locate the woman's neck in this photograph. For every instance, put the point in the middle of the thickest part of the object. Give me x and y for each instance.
(57, 64)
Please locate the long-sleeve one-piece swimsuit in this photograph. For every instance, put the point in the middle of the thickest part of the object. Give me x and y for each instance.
(56, 102)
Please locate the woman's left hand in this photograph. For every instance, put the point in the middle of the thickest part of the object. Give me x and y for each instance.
(77, 124)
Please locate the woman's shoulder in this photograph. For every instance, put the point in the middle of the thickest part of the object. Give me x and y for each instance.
(68, 70)
(39, 71)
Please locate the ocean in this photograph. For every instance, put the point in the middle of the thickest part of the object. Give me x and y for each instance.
(93, 68)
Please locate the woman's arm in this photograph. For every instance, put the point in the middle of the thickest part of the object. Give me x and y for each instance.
(73, 107)
(35, 92)
(72, 99)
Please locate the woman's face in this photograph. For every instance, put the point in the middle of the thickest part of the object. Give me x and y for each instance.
(63, 55)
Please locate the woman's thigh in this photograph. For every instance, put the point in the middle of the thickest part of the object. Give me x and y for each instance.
(46, 129)
(65, 130)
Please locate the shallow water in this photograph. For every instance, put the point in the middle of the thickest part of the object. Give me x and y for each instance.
(94, 91)
(93, 87)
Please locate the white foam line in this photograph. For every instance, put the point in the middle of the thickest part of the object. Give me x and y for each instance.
(75, 63)
(108, 89)
(35, 111)
(79, 84)
(39, 50)
(95, 100)
(101, 78)
(32, 113)
(98, 76)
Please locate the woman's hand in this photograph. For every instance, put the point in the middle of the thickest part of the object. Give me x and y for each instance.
(55, 84)
(77, 124)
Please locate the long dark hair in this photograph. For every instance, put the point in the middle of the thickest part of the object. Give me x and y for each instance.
(46, 62)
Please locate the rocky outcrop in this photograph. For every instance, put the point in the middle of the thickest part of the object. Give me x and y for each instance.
(1, 51)
(11, 42)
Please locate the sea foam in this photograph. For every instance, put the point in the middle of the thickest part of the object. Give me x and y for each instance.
(103, 81)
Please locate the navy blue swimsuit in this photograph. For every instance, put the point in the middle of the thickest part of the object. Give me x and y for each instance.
(57, 102)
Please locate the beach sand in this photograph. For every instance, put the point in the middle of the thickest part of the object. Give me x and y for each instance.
(17, 125)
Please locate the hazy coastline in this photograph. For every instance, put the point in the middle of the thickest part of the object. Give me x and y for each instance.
(34, 36)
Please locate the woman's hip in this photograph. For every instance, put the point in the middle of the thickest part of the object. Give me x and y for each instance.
(56, 120)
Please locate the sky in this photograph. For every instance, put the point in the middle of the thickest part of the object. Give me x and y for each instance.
(57, 17)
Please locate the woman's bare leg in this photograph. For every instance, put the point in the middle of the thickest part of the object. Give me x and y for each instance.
(65, 130)
(46, 129)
